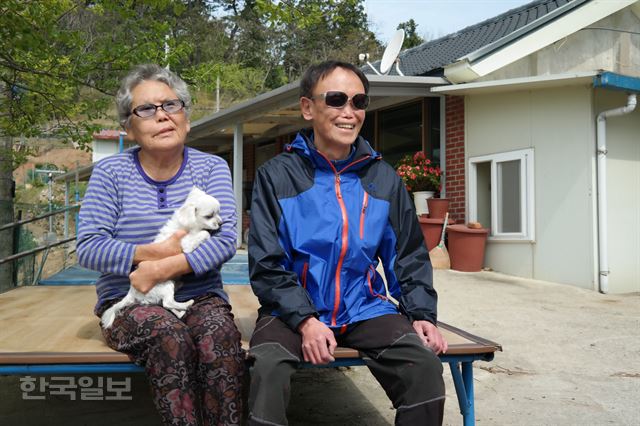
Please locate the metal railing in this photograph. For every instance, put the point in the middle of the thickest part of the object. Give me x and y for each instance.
(41, 216)
(36, 250)
(46, 247)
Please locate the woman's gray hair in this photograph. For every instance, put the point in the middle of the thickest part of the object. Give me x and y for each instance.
(150, 72)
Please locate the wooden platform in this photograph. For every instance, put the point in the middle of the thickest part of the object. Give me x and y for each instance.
(56, 325)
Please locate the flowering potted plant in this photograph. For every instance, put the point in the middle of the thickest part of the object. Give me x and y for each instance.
(418, 174)
(420, 177)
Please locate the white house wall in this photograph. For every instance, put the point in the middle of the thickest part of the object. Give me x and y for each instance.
(609, 44)
(557, 124)
(104, 148)
(623, 194)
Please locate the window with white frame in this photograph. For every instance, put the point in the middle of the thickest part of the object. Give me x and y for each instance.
(501, 194)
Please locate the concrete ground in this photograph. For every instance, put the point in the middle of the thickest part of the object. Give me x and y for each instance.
(571, 357)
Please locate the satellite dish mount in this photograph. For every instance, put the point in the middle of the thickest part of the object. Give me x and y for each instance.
(390, 55)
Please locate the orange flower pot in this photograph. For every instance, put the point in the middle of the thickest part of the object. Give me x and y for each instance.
(431, 230)
(466, 247)
(438, 207)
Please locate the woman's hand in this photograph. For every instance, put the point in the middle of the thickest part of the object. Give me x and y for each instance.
(146, 276)
(156, 251)
(151, 272)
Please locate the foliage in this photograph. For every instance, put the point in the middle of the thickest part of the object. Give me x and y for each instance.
(61, 60)
(310, 31)
(238, 82)
(418, 174)
(411, 37)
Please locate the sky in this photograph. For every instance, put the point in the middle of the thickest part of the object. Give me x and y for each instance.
(435, 18)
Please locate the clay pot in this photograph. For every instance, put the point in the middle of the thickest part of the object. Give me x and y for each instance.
(438, 207)
(432, 230)
(466, 247)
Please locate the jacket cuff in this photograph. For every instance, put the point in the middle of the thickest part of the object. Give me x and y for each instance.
(293, 320)
(423, 316)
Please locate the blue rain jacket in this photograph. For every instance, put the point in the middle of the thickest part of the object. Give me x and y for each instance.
(317, 234)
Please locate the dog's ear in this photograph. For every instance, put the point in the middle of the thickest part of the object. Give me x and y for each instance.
(187, 215)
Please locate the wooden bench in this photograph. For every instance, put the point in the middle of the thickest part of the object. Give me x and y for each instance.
(52, 330)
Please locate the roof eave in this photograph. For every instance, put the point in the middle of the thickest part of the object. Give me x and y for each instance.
(281, 97)
(288, 96)
(554, 26)
(518, 84)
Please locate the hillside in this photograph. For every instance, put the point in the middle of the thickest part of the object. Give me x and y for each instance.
(64, 156)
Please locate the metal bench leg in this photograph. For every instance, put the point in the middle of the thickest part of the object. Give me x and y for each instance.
(463, 381)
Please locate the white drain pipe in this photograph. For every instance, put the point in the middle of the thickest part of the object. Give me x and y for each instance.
(603, 241)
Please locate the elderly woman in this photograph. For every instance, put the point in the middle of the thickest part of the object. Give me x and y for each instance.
(195, 365)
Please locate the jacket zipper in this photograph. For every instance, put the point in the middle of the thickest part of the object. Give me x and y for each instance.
(343, 249)
(303, 278)
(345, 234)
(365, 203)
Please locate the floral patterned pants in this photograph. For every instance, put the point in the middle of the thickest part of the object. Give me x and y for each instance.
(195, 365)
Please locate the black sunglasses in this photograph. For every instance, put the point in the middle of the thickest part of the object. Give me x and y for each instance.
(336, 99)
(147, 110)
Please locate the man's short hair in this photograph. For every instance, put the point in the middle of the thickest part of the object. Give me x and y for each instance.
(317, 72)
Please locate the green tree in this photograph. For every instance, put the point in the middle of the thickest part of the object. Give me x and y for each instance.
(316, 30)
(411, 37)
(60, 62)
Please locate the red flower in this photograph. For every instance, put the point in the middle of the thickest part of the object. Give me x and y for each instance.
(418, 174)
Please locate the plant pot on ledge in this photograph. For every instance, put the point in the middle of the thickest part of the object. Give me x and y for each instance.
(420, 200)
(438, 207)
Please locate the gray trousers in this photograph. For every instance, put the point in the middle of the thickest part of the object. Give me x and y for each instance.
(410, 373)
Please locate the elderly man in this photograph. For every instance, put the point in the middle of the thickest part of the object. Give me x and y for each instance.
(323, 213)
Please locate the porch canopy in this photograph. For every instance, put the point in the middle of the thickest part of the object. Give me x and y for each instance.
(277, 113)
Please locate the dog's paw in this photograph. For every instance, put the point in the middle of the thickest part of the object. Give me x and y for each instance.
(191, 241)
(180, 308)
(178, 312)
(107, 320)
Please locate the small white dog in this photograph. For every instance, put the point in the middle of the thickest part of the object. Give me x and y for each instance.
(198, 214)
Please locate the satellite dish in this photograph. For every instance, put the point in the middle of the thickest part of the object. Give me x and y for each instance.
(391, 52)
(390, 55)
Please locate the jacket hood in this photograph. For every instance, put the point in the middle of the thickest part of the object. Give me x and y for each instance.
(304, 146)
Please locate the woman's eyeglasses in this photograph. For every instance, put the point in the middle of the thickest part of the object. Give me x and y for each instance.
(148, 110)
(336, 99)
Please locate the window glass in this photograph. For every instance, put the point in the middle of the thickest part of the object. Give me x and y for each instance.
(483, 191)
(501, 194)
(368, 128)
(400, 132)
(433, 132)
(509, 196)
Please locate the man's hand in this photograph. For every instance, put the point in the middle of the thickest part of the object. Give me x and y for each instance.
(430, 336)
(318, 342)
